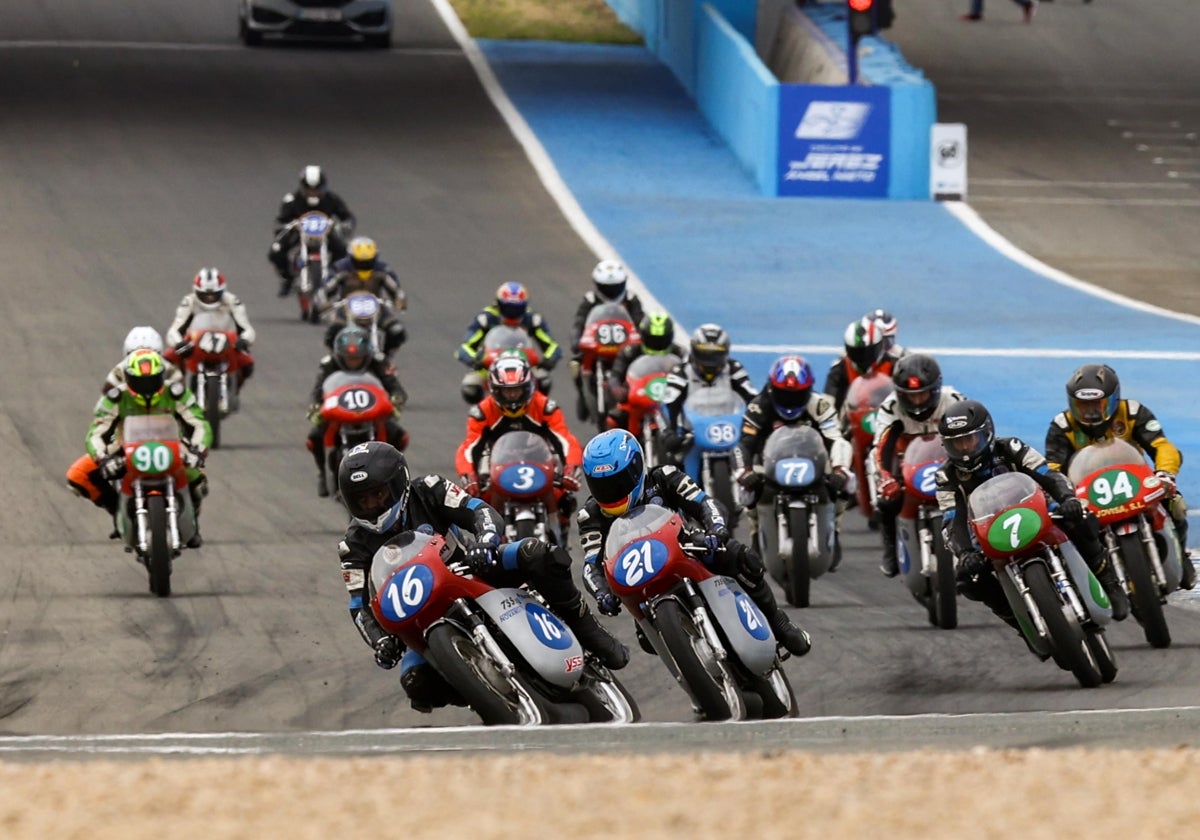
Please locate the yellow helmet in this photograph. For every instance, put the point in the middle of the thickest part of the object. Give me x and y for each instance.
(363, 252)
(144, 374)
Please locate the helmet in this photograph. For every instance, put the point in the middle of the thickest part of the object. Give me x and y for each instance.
(512, 300)
(918, 381)
(864, 344)
(209, 287)
(373, 481)
(790, 383)
(352, 347)
(967, 434)
(144, 374)
(657, 331)
(510, 380)
(1093, 393)
(143, 338)
(615, 470)
(312, 184)
(363, 252)
(709, 351)
(610, 278)
(887, 321)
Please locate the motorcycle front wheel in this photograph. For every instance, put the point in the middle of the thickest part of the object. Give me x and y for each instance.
(1144, 599)
(497, 699)
(707, 680)
(158, 564)
(1067, 639)
(943, 596)
(798, 577)
(212, 407)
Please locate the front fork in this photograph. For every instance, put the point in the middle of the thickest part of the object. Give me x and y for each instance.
(142, 518)
(1063, 582)
(1149, 544)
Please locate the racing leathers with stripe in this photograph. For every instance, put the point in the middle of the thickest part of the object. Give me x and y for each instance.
(231, 308)
(470, 351)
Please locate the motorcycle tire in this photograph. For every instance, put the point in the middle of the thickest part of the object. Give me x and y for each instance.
(778, 698)
(943, 595)
(799, 579)
(707, 680)
(1103, 654)
(1067, 639)
(212, 408)
(498, 700)
(1144, 600)
(526, 528)
(158, 563)
(722, 485)
(605, 698)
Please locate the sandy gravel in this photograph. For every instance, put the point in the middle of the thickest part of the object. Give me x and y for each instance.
(1030, 794)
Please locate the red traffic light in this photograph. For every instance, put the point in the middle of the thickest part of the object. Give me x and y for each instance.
(861, 5)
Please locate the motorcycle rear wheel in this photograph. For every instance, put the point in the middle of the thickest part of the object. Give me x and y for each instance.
(498, 700)
(158, 564)
(707, 680)
(1144, 599)
(1067, 639)
(798, 577)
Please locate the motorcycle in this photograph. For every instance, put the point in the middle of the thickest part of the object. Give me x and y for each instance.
(1060, 606)
(712, 417)
(212, 367)
(646, 384)
(926, 562)
(796, 515)
(312, 258)
(156, 517)
(512, 659)
(1113, 479)
(505, 339)
(362, 309)
(863, 398)
(355, 409)
(708, 632)
(607, 329)
(523, 475)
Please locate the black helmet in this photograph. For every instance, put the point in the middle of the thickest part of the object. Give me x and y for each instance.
(864, 344)
(657, 331)
(1093, 394)
(967, 434)
(373, 481)
(709, 351)
(918, 381)
(352, 347)
(887, 322)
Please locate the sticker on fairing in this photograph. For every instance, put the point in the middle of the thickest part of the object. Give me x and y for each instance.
(640, 562)
(547, 627)
(1014, 529)
(751, 617)
(406, 592)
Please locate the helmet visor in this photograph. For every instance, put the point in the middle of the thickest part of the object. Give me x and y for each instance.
(512, 311)
(614, 490)
(865, 356)
(512, 397)
(709, 362)
(369, 503)
(145, 386)
(611, 291)
(965, 447)
(1093, 412)
(790, 401)
(210, 298)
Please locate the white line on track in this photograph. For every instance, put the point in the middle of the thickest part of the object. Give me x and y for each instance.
(1091, 185)
(169, 46)
(1010, 352)
(1106, 202)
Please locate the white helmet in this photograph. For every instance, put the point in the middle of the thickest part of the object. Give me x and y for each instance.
(610, 278)
(312, 184)
(143, 338)
(209, 287)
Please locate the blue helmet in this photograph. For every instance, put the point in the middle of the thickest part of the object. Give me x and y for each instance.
(615, 470)
(789, 385)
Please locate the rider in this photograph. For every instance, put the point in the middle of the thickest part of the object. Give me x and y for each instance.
(352, 352)
(361, 270)
(209, 295)
(867, 352)
(708, 364)
(887, 321)
(145, 391)
(614, 468)
(140, 338)
(788, 400)
(515, 404)
(1095, 411)
(975, 454)
(511, 309)
(658, 339)
(610, 283)
(313, 193)
(913, 409)
(383, 502)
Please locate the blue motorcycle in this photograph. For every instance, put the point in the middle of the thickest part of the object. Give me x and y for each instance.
(712, 417)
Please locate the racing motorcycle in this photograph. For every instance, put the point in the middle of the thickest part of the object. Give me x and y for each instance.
(712, 418)
(796, 513)
(926, 562)
(863, 398)
(312, 258)
(522, 486)
(1113, 479)
(1060, 606)
(355, 408)
(646, 385)
(502, 339)
(708, 632)
(509, 657)
(362, 309)
(607, 329)
(156, 517)
(212, 367)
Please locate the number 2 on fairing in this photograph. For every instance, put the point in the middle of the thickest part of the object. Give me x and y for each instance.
(637, 563)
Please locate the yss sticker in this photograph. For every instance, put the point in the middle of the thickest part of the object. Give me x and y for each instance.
(640, 562)
(152, 458)
(751, 617)
(1014, 529)
(1113, 488)
(547, 627)
(406, 592)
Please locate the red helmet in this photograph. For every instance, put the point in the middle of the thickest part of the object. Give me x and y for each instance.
(512, 300)
(209, 286)
(511, 382)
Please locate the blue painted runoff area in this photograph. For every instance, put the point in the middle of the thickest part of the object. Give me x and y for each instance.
(666, 192)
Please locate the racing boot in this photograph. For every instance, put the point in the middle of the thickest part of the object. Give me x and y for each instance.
(426, 688)
(1107, 575)
(1179, 516)
(889, 565)
(1189, 572)
(595, 638)
(644, 641)
(198, 490)
(787, 632)
(322, 487)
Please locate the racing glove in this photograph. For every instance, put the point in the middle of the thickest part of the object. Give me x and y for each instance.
(751, 479)
(1168, 481)
(113, 467)
(1071, 509)
(571, 480)
(469, 483)
(484, 555)
(597, 586)
(888, 487)
(972, 565)
(837, 480)
(314, 414)
(193, 459)
(388, 650)
(183, 349)
(242, 345)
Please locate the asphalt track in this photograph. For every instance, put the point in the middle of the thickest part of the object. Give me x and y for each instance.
(129, 165)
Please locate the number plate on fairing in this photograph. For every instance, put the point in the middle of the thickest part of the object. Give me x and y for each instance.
(794, 472)
(406, 592)
(522, 479)
(640, 562)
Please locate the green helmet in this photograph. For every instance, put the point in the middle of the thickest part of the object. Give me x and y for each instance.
(658, 332)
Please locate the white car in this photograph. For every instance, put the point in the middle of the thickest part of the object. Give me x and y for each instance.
(368, 21)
